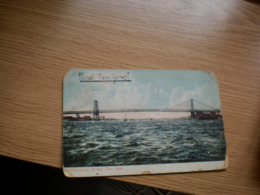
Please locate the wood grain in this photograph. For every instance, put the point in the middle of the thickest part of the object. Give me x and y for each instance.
(41, 40)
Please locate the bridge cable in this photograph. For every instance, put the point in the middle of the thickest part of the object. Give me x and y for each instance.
(181, 103)
(205, 105)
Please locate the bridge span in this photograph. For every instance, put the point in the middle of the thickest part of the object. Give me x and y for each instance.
(138, 110)
(96, 111)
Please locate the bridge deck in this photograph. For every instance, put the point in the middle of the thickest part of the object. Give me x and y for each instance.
(138, 110)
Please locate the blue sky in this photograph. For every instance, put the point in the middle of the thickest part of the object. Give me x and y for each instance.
(147, 89)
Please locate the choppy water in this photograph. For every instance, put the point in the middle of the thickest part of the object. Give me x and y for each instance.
(136, 142)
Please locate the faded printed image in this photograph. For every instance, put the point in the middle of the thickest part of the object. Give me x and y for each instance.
(141, 117)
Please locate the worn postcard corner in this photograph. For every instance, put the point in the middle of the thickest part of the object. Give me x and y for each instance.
(130, 122)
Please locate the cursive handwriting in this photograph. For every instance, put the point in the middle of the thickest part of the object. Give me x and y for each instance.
(100, 77)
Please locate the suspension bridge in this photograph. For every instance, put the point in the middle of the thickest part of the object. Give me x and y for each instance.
(191, 106)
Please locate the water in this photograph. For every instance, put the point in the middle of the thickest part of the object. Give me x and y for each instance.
(137, 142)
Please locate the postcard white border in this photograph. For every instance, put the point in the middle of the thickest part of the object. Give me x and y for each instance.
(143, 169)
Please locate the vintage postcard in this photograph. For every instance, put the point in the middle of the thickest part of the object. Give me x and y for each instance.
(130, 122)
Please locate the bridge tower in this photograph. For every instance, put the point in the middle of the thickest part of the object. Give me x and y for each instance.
(192, 113)
(95, 111)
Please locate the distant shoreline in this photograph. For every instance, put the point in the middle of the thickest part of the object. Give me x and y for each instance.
(143, 119)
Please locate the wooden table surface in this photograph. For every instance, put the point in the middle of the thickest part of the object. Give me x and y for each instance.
(41, 40)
